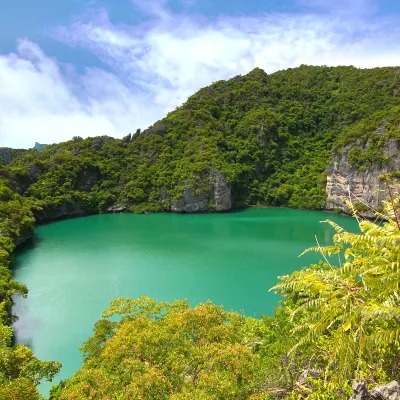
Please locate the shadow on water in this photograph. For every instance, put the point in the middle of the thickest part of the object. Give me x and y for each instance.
(28, 245)
(74, 268)
(19, 324)
(26, 341)
(23, 249)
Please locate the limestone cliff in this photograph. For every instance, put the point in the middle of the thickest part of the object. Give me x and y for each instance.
(363, 184)
(218, 198)
(65, 210)
(391, 391)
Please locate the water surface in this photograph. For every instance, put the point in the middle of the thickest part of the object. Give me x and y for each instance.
(74, 268)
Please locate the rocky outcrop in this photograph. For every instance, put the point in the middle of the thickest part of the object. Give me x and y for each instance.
(159, 128)
(66, 210)
(117, 209)
(221, 191)
(364, 185)
(130, 137)
(391, 391)
(218, 198)
(190, 203)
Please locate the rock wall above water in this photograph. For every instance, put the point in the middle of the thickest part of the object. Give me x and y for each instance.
(362, 184)
(218, 197)
(66, 210)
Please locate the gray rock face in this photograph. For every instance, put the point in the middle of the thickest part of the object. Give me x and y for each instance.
(64, 211)
(219, 195)
(391, 391)
(116, 209)
(158, 128)
(363, 185)
(190, 203)
(222, 192)
(360, 391)
(127, 138)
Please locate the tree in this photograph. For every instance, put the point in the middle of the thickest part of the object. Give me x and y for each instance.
(168, 351)
(355, 304)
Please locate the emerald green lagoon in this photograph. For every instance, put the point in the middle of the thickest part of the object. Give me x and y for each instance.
(73, 268)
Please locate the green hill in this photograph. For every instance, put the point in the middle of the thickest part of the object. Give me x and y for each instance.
(254, 139)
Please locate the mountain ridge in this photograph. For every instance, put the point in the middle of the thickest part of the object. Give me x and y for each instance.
(270, 139)
(255, 139)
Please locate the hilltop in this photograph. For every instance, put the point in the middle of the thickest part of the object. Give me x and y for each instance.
(254, 139)
(296, 138)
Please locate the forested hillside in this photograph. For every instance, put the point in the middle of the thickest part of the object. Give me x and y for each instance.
(255, 139)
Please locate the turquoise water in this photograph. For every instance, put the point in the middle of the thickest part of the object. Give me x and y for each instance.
(73, 268)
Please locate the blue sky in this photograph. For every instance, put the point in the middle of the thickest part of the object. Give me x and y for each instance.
(94, 67)
(35, 20)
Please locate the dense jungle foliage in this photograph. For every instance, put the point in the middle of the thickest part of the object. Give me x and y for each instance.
(271, 137)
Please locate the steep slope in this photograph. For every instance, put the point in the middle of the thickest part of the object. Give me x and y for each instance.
(7, 154)
(259, 138)
(366, 153)
(254, 139)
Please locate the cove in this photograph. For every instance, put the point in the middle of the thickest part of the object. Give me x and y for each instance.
(73, 268)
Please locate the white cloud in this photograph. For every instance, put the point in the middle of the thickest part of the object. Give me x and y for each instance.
(40, 101)
(158, 64)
